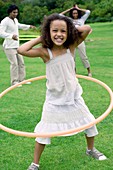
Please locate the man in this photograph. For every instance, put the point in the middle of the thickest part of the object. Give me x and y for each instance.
(9, 30)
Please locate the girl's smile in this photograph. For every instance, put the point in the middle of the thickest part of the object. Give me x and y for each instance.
(58, 32)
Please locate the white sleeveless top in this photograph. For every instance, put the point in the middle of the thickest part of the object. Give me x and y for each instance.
(62, 85)
(64, 108)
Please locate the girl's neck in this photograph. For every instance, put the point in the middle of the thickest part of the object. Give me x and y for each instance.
(58, 51)
(60, 48)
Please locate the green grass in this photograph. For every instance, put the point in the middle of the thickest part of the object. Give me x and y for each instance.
(21, 109)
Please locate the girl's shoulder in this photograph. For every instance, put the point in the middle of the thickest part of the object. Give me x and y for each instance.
(44, 54)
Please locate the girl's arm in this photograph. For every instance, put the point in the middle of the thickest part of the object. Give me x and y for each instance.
(83, 33)
(27, 48)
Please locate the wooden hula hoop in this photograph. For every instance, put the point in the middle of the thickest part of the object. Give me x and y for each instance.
(29, 134)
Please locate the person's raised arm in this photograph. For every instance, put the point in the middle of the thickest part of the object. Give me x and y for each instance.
(80, 9)
(64, 12)
(27, 49)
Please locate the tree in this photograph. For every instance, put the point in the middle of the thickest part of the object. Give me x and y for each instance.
(104, 11)
(33, 15)
(33, 11)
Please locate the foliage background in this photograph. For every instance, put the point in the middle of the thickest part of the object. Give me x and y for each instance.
(33, 11)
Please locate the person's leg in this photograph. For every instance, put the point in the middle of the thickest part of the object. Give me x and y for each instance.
(90, 142)
(89, 72)
(12, 58)
(84, 58)
(38, 151)
(21, 68)
(92, 151)
(37, 154)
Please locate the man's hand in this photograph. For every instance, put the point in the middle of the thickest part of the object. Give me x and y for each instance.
(32, 26)
(15, 37)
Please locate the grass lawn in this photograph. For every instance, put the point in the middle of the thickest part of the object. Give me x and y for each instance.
(21, 108)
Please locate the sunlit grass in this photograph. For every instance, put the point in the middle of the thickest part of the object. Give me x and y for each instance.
(21, 109)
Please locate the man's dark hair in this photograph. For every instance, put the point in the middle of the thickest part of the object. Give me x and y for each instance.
(11, 8)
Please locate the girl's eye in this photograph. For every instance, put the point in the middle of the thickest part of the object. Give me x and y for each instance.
(63, 30)
(54, 30)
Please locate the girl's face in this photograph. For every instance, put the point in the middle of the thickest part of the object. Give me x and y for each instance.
(13, 14)
(58, 32)
(75, 14)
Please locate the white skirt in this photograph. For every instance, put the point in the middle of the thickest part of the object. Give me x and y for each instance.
(58, 118)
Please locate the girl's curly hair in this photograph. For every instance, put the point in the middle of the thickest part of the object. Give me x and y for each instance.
(72, 32)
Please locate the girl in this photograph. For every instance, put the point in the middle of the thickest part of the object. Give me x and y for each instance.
(78, 18)
(64, 108)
